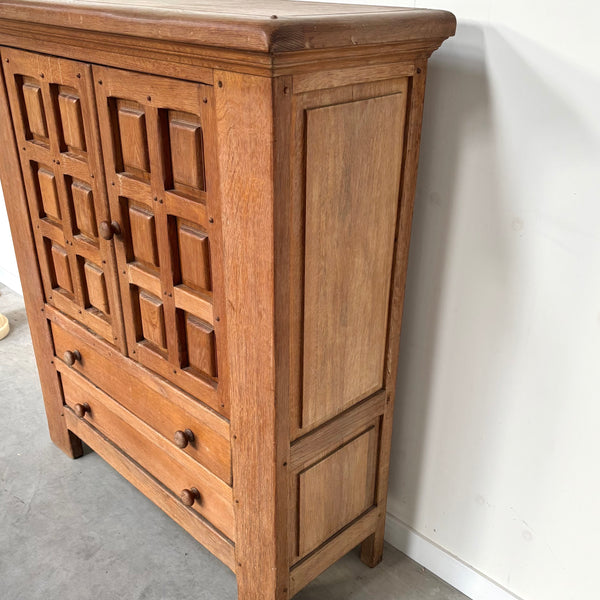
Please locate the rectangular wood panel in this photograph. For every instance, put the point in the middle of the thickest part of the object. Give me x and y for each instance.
(143, 236)
(60, 260)
(48, 192)
(71, 120)
(83, 205)
(96, 287)
(133, 138)
(201, 344)
(336, 490)
(34, 108)
(353, 163)
(194, 258)
(153, 320)
(185, 134)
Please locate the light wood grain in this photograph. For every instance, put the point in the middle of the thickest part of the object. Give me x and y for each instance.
(324, 440)
(254, 197)
(177, 471)
(96, 287)
(336, 490)
(313, 565)
(72, 127)
(189, 519)
(244, 125)
(351, 206)
(246, 26)
(307, 82)
(372, 549)
(162, 406)
(51, 171)
(153, 208)
(83, 204)
(33, 293)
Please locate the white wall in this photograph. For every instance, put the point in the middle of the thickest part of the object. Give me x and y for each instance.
(9, 274)
(496, 450)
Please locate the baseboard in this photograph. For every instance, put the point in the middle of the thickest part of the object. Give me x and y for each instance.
(11, 281)
(440, 562)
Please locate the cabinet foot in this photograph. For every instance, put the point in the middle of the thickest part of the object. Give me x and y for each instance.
(68, 442)
(371, 550)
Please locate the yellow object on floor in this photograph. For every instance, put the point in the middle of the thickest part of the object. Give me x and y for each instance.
(4, 327)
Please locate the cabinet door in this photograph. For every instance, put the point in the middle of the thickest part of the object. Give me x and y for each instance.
(156, 139)
(52, 107)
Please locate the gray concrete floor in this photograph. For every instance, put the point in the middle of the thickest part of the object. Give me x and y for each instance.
(75, 529)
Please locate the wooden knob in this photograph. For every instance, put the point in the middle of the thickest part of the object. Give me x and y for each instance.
(188, 497)
(183, 438)
(71, 357)
(108, 230)
(81, 409)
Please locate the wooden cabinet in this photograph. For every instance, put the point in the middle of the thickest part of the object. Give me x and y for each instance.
(211, 211)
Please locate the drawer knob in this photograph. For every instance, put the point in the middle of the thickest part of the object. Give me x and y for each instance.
(188, 497)
(81, 409)
(183, 438)
(108, 230)
(71, 357)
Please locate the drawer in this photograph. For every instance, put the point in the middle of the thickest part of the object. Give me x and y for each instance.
(177, 471)
(162, 406)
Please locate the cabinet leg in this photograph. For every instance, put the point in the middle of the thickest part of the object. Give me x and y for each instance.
(371, 550)
(67, 441)
(260, 589)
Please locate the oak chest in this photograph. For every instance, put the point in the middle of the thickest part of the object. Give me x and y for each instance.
(211, 210)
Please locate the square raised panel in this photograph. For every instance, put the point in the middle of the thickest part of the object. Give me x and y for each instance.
(83, 204)
(194, 258)
(201, 346)
(62, 272)
(187, 152)
(34, 109)
(48, 193)
(133, 137)
(71, 120)
(143, 235)
(153, 320)
(96, 287)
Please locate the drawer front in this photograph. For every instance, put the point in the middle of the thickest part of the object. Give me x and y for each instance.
(159, 404)
(53, 111)
(177, 471)
(158, 154)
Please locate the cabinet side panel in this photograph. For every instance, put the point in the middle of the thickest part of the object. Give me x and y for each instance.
(372, 547)
(353, 163)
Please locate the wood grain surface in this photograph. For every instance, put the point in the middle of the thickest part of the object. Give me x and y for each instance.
(211, 206)
(351, 205)
(269, 26)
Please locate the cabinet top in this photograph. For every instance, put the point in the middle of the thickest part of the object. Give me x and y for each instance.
(264, 26)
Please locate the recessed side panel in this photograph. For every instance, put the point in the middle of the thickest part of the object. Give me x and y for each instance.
(333, 478)
(353, 164)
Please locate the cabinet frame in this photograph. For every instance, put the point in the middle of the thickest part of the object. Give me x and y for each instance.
(254, 120)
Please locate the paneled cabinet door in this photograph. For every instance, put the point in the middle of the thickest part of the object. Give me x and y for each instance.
(52, 107)
(158, 148)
